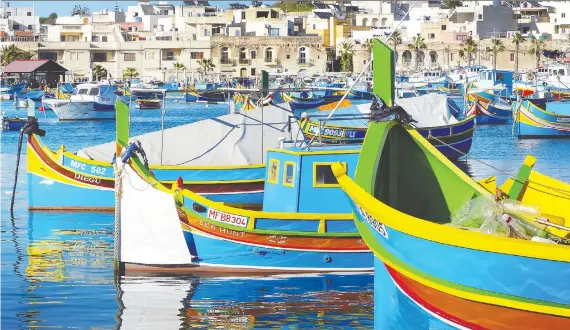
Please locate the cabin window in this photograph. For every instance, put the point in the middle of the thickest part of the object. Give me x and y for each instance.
(323, 175)
(500, 76)
(82, 91)
(561, 72)
(289, 174)
(94, 91)
(273, 171)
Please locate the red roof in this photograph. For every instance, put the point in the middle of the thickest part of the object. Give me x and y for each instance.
(28, 66)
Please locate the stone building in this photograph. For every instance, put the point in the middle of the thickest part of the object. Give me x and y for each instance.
(247, 55)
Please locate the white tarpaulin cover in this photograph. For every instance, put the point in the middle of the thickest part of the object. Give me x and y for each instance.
(233, 139)
(429, 110)
(149, 235)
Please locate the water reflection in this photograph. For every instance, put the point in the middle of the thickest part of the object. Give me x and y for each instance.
(464, 165)
(331, 301)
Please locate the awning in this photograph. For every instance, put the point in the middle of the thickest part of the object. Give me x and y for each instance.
(24, 33)
(34, 66)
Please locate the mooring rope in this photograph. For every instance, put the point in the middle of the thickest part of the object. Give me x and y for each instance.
(17, 168)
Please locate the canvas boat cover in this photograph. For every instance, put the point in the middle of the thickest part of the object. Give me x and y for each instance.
(430, 110)
(233, 139)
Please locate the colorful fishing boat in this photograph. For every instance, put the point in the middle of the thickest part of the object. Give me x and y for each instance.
(541, 119)
(303, 101)
(145, 104)
(12, 123)
(494, 112)
(225, 163)
(295, 232)
(483, 280)
(435, 121)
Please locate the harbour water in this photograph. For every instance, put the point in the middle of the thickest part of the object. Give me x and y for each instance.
(57, 268)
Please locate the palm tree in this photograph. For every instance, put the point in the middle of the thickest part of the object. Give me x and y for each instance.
(469, 48)
(518, 39)
(346, 53)
(447, 50)
(496, 48)
(368, 45)
(130, 72)
(12, 53)
(416, 45)
(396, 39)
(536, 48)
(178, 67)
(206, 65)
(99, 72)
(460, 57)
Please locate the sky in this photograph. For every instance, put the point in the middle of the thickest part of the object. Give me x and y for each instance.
(63, 8)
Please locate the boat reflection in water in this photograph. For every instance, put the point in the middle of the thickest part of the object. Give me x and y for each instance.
(173, 302)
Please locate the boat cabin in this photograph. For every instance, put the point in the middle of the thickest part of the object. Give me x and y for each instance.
(489, 78)
(559, 70)
(429, 74)
(302, 181)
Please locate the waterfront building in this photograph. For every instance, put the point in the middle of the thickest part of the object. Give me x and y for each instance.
(18, 23)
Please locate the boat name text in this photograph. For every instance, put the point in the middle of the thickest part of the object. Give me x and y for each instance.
(87, 179)
(563, 120)
(98, 170)
(334, 132)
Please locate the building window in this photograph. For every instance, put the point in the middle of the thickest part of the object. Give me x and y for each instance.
(431, 35)
(136, 14)
(225, 55)
(289, 174)
(480, 16)
(269, 55)
(99, 57)
(104, 38)
(242, 53)
(48, 56)
(95, 38)
(168, 55)
(243, 15)
(443, 27)
(563, 15)
(30, 14)
(512, 57)
(30, 27)
(323, 175)
(302, 55)
(451, 56)
(197, 55)
(253, 71)
(288, 56)
(253, 54)
(62, 38)
(273, 171)
(129, 57)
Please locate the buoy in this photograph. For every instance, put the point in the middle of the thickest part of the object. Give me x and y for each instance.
(180, 182)
(42, 108)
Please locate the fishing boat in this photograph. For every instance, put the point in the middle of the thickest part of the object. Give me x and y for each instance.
(20, 103)
(90, 102)
(144, 104)
(205, 96)
(495, 111)
(295, 232)
(303, 100)
(434, 116)
(541, 119)
(12, 123)
(461, 278)
(225, 163)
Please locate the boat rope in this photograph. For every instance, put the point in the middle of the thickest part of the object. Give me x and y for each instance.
(117, 237)
(366, 68)
(505, 172)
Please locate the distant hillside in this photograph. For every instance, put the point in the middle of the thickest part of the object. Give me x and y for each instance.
(287, 6)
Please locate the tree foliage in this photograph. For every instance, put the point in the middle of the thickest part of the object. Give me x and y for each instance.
(495, 48)
(346, 54)
(287, 6)
(49, 20)
(12, 53)
(130, 72)
(450, 4)
(469, 48)
(206, 65)
(518, 39)
(99, 72)
(80, 10)
(536, 49)
(417, 44)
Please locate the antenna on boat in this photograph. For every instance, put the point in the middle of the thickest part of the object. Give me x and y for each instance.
(318, 134)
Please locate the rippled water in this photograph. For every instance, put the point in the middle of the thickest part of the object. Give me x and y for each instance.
(57, 268)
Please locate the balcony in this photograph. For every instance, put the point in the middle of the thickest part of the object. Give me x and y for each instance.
(305, 62)
(72, 28)
(270, 61)
(244, 61)
(226, 62)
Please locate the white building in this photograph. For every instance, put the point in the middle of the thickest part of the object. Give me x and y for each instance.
(18, 23)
